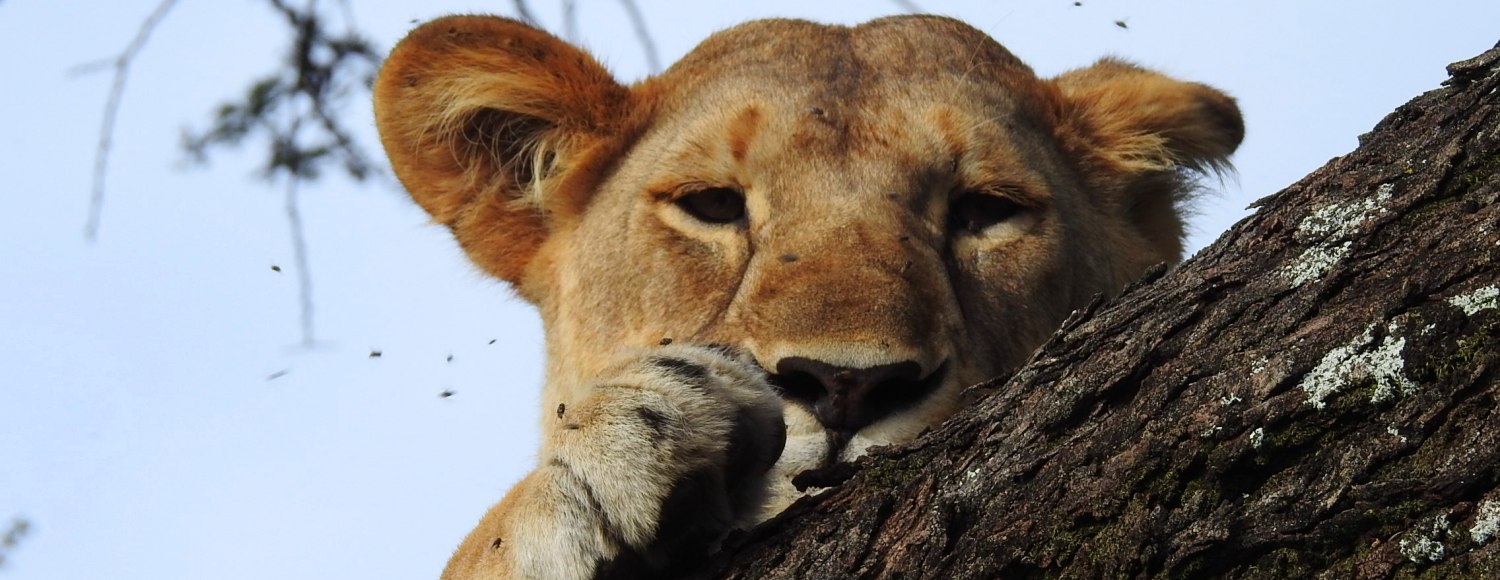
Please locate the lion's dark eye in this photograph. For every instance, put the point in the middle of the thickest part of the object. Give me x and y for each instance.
(972, 213)
(715, 205)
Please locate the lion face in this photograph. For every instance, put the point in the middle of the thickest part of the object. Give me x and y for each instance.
(879, 215)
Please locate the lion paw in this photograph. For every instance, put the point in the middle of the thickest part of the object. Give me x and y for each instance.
(670, 451)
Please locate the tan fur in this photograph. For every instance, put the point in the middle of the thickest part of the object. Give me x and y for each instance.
(859, 153)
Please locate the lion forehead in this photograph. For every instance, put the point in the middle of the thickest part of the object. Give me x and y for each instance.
(907, 94)
(843, 64)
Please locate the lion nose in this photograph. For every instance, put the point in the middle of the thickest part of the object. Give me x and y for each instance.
(846, 399)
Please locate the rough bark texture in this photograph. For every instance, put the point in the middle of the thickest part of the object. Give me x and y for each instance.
(1313, 395)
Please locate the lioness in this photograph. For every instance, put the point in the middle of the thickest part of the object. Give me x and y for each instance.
(799, 242)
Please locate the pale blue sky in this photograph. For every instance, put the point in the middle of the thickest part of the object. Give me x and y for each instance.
(138, 429)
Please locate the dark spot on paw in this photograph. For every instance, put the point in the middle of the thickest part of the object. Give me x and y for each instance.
(751, 451)
(688, 372)
(657, 422)
(694, 516)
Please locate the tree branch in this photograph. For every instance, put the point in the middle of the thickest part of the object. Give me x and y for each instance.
(19, 527)
(523, 13)
(299, 256)
(295, 108)
(638, 23)
(570, 21)
(910, 7)
(121, 66)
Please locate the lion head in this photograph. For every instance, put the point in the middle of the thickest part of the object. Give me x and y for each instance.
(879, 215)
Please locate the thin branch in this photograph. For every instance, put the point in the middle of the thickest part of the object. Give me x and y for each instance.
(910, 7)
(287, 141)
(349, 24)
(570, 21)
(523, 12)
(297, 109)
(638, 22)
(355, 161)
(19, 527)
(312, 85)
(299, 259)
(111, 107)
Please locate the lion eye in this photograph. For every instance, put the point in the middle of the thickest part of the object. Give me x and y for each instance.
(715, 205)
(973, 213)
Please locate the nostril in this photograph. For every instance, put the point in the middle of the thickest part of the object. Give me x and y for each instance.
(847, 399)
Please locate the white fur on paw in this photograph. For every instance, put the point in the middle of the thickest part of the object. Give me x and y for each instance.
(658, 419)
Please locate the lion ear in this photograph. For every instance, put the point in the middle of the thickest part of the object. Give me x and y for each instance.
(497, 129)
(1134, 130)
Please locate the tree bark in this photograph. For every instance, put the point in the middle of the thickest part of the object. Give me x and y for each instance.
(1313, 395)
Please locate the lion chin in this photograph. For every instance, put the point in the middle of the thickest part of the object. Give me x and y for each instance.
(798, 243)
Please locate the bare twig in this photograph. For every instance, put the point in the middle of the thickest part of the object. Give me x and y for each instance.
(349, 24)
(910, 7)
(318, 74)
(523, 12)
(570, 20)
(299, 258)
(297, 110)
(639, 23)
(19, 527)
(311, 82)
(121, 65)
